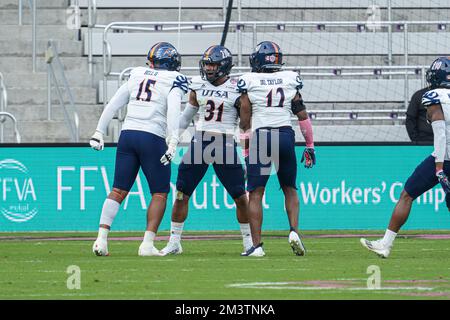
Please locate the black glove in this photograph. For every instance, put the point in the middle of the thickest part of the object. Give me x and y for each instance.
(309, 156)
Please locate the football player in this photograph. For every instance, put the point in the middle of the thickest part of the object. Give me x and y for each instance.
(153, 96)
(436, 167)
(213, 96)
(269, 98)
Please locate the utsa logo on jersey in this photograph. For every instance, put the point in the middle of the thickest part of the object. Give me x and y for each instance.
(217, 105)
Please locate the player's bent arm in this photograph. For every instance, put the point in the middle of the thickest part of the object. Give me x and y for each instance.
(245, 116)
(173, 113)
(188, 113)
(299, 109)
(436, 116)
(120, 99)
(245, 112)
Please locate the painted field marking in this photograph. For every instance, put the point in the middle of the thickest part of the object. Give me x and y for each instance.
(318, 285)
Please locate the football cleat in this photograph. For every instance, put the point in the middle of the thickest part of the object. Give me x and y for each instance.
(146, 250)
(376, 246)
(100, 248)
(296, 244)
(172, 248)
(254, 251)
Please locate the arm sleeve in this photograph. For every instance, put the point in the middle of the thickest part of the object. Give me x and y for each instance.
(440, 141)
(307, 132)
(173, 111)
(411, 116)
(186, 117)
(120, 99)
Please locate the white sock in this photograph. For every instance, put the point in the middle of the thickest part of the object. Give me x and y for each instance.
(176, 229)
(103, 233)
(246, 235)
(149, 236)
(389, 237)
(109, 211)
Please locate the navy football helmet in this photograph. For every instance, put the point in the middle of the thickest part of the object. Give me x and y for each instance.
(220, 57)
(267, 57)
(438, 76)
(164, 56)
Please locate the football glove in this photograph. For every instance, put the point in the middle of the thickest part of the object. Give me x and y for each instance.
(170, 153)
(309, 157)
(443, 180)
(97, 142)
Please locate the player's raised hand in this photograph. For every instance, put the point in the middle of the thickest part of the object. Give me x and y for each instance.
(309, 157)
(97, 142)
(443, 180)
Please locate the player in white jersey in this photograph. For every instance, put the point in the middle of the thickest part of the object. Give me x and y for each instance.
(436, 167)
(270, 97)
(153, 97)
(213, 96)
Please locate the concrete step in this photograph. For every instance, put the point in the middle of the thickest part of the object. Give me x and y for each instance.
(29, 112)
(14, 4)
(33, 96)
(39, 80)
(52, 16)
(24, 64)
(48, 131)
(23, 48)
(53, 131)
(43, 32)
(106, 16)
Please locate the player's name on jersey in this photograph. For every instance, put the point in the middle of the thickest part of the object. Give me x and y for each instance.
(270, 82)
(214, 93)
(151, 73)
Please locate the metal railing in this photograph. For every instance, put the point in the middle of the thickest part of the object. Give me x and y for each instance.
(4, 115)
(32, 5)
(3, 103)
(55, 66)
(194, 25)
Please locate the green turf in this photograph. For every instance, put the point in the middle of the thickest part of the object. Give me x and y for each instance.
(212, 269)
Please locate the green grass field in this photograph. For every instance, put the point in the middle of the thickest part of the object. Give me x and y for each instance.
(334, 268)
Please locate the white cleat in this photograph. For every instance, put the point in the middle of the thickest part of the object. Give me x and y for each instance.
(100, 248)
(147, 250)
(254, 252)
(296, 244)
(172, 248)
(376, 246)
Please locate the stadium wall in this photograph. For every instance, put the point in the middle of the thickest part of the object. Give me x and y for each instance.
(62, 188)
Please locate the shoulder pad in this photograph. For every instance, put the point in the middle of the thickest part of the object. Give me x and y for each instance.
(243, 84)
(181, 82)
(196, 83)
(430, 98)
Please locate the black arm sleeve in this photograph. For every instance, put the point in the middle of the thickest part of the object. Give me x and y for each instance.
(412, 115)
(237, 105)
(297, 106)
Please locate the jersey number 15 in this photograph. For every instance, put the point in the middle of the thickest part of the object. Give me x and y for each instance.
(149, 83)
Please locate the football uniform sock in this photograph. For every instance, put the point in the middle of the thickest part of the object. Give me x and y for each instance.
(103, 233)
(109, 211)
(246, 235)
(389, 237)
(149, 236)
(176, 229)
